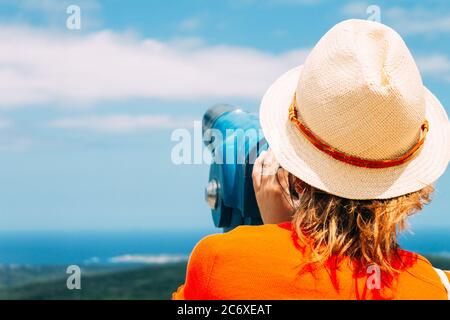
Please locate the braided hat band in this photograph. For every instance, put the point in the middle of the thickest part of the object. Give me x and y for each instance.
(347, 158)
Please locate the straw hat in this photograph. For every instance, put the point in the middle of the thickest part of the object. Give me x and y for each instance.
(355, 120)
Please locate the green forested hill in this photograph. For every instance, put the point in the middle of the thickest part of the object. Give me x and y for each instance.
(156, 282)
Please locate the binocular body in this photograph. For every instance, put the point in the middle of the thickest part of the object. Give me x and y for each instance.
(234, 138)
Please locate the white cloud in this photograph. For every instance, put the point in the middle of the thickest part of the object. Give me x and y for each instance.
(190, 24)
(54, 11)
(122, 123)
(5, 123)
(296, 2)
(149, 259)
(16, 143)
(53, 6)
(42, 67)
(418, 20)
(434, 64)
(276, 2)
(407, 21)
(355, 9)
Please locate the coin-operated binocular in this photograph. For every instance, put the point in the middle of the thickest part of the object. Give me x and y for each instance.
(234, 138)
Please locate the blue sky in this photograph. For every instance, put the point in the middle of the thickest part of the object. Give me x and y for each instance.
(86, 115)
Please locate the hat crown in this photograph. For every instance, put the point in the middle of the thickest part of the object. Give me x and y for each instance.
(361, 92)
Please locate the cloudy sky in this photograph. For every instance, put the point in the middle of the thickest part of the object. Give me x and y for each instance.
(86, 115)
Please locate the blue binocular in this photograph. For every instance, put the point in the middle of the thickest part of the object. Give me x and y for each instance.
(234, 138)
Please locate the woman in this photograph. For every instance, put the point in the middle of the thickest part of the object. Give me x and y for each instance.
(356, 142)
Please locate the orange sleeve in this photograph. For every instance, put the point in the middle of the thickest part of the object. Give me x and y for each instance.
(198, 272)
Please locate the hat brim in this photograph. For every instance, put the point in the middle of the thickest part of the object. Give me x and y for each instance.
(298, 156)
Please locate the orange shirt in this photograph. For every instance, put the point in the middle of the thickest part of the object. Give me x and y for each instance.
(264, 262)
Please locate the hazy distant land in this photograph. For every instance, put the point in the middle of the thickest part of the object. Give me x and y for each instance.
(44, 283)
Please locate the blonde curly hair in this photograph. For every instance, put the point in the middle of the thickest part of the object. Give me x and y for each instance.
(363, 230)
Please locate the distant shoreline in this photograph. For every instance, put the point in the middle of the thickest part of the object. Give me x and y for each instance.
(105, 248)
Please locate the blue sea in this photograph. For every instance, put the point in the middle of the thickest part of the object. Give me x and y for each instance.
(87, 248)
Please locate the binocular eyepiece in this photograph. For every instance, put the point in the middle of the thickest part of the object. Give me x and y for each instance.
(234, 138)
